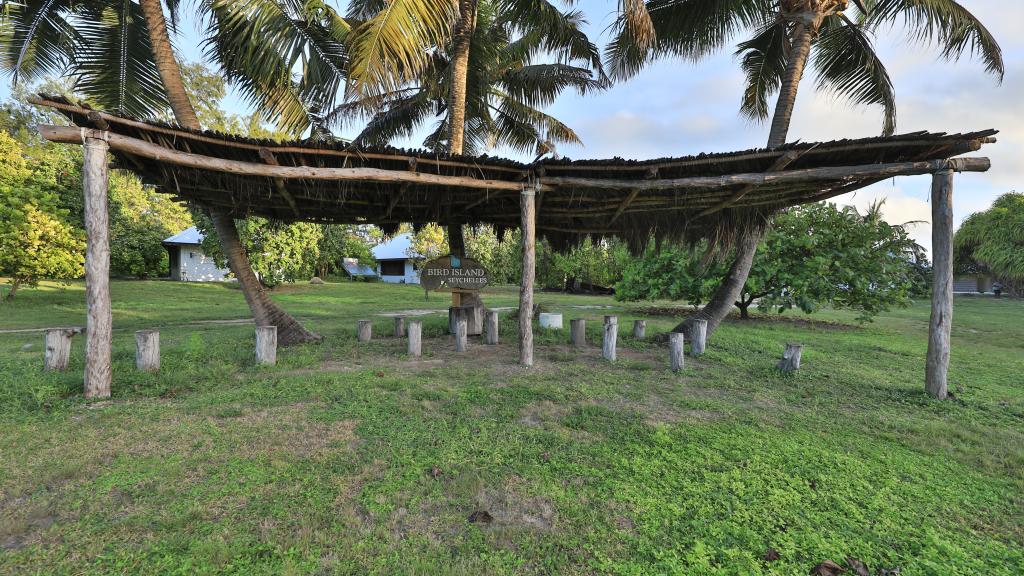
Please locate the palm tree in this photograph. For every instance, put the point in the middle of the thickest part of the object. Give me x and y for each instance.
(786, 35)
(121, 54)
(505, 90)
(398, 42)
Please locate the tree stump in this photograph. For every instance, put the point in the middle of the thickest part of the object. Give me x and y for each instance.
(147, 350)
(611, 334)
(266, 345)
(415, 338)
(639, 329)
(461, 325)
(58, 349)
(675, 350)
(365, 331)
(791, 358)
(399, 326)
(698, 336)
(578, 332)
(491, 325)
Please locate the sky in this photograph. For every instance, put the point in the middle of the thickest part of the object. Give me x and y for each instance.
(677, 108)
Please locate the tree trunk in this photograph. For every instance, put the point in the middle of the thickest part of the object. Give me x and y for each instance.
(264, 310)
(14, 289)
(461, 43)
(744, 307)
(167, 65)
(98, 322)
(940, 323)
(732, 285)
(726, 295)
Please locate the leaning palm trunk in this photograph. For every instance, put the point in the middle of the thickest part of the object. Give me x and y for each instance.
(460, 70)
(730, 290)
(264, 310)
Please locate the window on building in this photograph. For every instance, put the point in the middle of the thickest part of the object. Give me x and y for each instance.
(392, 267)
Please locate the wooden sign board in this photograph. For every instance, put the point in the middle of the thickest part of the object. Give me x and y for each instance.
(453, 274)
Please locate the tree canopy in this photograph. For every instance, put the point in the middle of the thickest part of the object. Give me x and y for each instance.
(993, 241)
(814, 255)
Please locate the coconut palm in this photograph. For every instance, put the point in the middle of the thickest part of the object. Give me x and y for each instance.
(505, 90)
(784, 36)
(121, 55)
(399, 41)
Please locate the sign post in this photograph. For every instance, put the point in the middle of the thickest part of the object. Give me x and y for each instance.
(458, 275)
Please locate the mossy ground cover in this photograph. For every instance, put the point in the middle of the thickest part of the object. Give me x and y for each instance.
(354, 459)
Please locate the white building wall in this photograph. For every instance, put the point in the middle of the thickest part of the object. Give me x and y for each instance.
(198, 267)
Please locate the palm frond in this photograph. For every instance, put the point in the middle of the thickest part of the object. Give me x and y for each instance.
(945, 23)
(393, 46)
(400, 119)
(38, 39)
(763, 60)
(848, 66)
(541, 84)
(688, 29)
(114, 60)
(546, 29)
(261, 43)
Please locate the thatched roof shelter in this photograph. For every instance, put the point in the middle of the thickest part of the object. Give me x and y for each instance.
(689, 197)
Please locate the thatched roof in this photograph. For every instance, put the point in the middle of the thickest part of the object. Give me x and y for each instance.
(689, 197)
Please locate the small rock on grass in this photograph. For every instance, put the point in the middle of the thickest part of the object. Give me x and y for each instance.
(858, 567)
(26, 347)
(316, 280)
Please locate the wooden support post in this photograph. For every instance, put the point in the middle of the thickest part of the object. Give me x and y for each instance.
(98, 335)
(639, 329)
(790, 358)
(675, 350)
(698, 337)
(461, 327)
(266, 345)
(527, 200)
(365, 331)
(399, 326)
(491, 325)
(578, 332)
(611, 334)
(58, 349)
(941, 322)
(415, 338)
(147, 350)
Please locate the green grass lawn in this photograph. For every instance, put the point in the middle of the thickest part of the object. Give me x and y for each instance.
(350, 458)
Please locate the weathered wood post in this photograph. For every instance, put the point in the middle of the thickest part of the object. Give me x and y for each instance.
(365, 331)
(578, 332)
(611, 334)
(266, 345)
(461, 328)
(491, 327)
(941, 321)
(639, 329)
(698, 337)
(415, 338)
(790, 358)
(399, 326)
(98, 322)
(58, 349)
(675, 350)
(147, 350)
(527, 201)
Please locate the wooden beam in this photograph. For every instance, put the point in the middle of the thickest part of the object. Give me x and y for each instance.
(528, 198)
(71, 135)
(836, 173)
(625, 204)
(395, 198)
(780, 164)
(97, 269)
(941, 321)
(178, 133)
